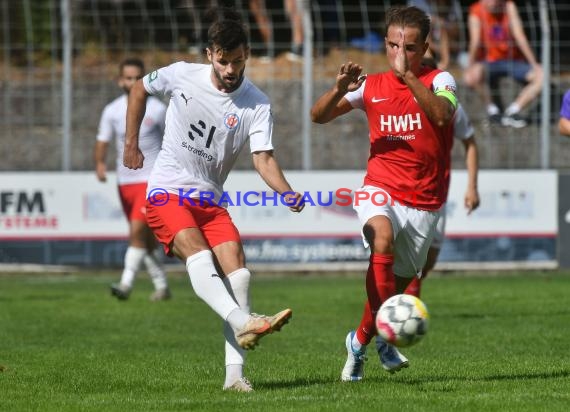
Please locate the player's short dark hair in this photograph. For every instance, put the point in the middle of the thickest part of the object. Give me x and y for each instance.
(429, 62)
(131, 61)
(227, 32)
(409, 16)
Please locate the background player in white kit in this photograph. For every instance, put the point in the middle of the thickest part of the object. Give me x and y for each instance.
(214, 110)
(464, 132)
(143, 247)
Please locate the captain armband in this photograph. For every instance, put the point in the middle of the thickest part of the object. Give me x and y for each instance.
(449, 96)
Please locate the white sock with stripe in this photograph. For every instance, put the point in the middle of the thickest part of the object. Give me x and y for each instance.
(237, 284)
(209, 287)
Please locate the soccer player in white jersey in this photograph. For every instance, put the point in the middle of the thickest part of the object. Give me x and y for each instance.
(214, 110)
(143, 247)
(410, 111)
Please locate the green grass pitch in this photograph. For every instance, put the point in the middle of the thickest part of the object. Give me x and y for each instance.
(496, 343)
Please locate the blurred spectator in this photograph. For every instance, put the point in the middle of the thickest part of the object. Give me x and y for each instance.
(564, 121)
(498, 48)
(445, 16)
(327, 33)
(200, 12)
(259, 12)
(295, 16)
(371, 40)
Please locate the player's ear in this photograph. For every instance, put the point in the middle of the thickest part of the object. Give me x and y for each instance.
(209, 54)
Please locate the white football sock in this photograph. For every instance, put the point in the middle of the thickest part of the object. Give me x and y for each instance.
(492, 109)
(153, 263)
(512, 109)
(209, 287)
(237, 284)
(133, 262)
(233, 373)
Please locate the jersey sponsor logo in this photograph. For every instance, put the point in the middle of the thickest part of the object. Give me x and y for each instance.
(231, 120)
(405, 123)
(379, 99)
(185, 98)
(198, 130)
(152, 76)
(447, 88)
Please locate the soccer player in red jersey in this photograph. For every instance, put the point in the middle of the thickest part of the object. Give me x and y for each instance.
(410, 111)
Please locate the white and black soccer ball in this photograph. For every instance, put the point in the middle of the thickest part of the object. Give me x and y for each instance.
(402, 320)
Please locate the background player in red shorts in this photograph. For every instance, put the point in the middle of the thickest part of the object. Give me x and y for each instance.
(132, 183)
(410, 117)
(214, 111)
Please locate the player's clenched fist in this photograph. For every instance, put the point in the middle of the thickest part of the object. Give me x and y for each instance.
(295, 201)
(133, 158)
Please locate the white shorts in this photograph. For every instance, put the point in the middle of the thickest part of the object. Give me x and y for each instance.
(413, 228)
(439, 234)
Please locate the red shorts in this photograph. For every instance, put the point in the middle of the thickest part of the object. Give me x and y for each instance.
(166, 217)
(133, 199)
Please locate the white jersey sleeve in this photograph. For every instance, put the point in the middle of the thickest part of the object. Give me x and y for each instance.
(462, 127)
(356, 98)
(105, 132)
(444, 82)
(261, 130)
(161, 81)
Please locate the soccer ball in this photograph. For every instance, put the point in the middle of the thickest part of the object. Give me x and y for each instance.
(402, 320)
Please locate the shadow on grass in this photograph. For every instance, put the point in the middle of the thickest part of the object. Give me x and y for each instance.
(500, 315)
(489, 378)
(306, 382)
(293, 383)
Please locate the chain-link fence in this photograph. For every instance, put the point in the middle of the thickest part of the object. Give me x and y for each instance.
(103, 32)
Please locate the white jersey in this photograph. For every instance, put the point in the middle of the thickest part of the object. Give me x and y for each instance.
(205, 129)
(462, 127)
(113, 125)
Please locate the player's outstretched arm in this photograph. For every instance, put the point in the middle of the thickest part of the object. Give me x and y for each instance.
(272, 174)
(331, 104)
(100, 154)
(472, 163)
(133, 157)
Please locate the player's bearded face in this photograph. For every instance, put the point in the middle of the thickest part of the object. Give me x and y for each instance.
(228, 67)
(129, 77)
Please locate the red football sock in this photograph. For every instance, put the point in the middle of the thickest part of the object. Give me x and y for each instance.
(414, 287)
(380, 285)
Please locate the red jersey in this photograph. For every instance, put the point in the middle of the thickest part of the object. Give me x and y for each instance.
(407, 152)
(497, 42)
